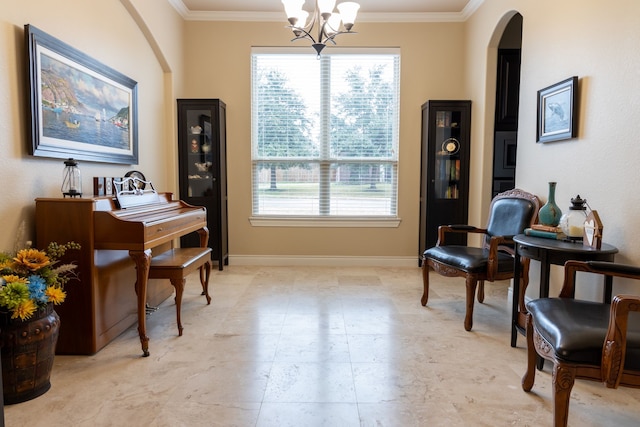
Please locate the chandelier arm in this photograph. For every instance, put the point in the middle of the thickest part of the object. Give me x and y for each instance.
(304, 33)
(333, 36)
(322, 33)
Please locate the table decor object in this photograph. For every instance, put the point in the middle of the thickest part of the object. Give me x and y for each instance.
(550, 213)
(572, 222)
(593, 230)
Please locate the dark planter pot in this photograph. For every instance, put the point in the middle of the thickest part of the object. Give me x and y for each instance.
(28, 348)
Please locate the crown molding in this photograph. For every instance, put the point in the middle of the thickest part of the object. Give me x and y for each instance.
(462, 16)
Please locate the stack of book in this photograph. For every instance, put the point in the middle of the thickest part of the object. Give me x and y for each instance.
(545, 231)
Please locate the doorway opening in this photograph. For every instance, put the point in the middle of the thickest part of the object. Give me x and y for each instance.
(507, 102)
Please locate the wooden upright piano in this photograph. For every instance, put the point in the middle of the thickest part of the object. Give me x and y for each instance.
(117, 245)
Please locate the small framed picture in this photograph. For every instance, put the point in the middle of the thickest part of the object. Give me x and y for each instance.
(557, 111)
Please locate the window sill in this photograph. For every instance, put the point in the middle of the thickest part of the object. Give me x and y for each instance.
(348, 222)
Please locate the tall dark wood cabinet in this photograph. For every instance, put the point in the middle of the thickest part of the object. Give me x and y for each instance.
(444, 176)
(202, 153)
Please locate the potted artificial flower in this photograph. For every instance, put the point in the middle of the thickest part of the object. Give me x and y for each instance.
(31, 283)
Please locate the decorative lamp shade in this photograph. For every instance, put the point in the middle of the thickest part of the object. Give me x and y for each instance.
(348, 11)
(71, 179)
(292, 8)
(326, 6)
(301, 18)
(334, 24)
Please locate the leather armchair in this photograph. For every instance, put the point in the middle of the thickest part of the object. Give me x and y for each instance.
(584, 339)
(509, 214)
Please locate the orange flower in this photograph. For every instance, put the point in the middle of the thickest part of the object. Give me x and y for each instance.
(33, 259)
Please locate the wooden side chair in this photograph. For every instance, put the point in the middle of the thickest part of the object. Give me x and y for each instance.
(584, 339)
(509, 214)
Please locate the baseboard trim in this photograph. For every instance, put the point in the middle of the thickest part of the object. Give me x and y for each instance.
(328, 261)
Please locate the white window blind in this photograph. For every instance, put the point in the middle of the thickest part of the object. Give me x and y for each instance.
(325, 134)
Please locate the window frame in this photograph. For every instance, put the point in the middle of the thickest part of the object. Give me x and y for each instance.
(326, 220)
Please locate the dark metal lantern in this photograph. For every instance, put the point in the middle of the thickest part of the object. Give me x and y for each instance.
(71, 179)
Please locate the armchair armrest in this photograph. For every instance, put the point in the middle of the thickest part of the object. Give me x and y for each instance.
(497, 243)
(615, 343)
(456, 228)
(599, 267)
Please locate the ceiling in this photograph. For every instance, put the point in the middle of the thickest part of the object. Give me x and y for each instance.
(370, 10)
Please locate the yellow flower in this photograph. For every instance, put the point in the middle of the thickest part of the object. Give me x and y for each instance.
(24, 310)
(33, 259)
(12, 278)
(56, 295)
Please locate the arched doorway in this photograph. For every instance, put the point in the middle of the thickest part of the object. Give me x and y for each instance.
(506, 106)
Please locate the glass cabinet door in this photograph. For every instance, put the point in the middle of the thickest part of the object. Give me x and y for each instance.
(444, 169)
(447, 154)
(200, 155)
(202, 161)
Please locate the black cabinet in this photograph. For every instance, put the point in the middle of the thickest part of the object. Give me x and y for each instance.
(444, 175)
(202, 155)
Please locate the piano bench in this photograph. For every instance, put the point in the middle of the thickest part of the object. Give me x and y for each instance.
(176, 264)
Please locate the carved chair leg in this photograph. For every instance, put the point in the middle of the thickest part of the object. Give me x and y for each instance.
(425, 282)
(471, 284)
(529, 377)
(481, 291)
(205, 272)
(179, 285)
(563, 378)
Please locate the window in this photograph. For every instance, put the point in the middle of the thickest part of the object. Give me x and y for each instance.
(325, 133)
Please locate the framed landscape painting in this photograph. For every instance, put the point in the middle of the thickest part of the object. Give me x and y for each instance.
(556, 111)
(79, 107)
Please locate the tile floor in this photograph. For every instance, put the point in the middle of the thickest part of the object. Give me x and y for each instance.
(281, 346)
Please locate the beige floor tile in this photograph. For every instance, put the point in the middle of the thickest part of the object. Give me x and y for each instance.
(317, 346)
(308, 414)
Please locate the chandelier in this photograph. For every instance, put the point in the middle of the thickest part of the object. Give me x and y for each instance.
(327, 22)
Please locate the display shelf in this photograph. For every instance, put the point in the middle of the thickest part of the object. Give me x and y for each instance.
(444, 181)
(202, 173)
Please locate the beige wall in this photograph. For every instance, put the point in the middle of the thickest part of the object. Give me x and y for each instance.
(217, 58)
(171, 58)
(110, 32)
(596, 41)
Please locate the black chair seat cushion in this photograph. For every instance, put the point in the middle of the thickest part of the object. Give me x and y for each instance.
(469, 259)
(576, 330)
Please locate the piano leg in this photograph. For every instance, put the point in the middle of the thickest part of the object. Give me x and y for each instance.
(203, 234)
(143, 262)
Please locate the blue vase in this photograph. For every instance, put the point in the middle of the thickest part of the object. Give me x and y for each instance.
(550, 213)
